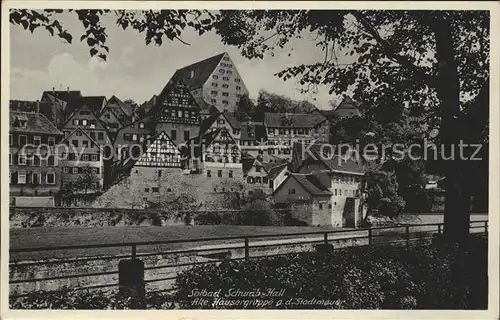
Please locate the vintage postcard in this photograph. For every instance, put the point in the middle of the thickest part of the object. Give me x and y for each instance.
(250, 159)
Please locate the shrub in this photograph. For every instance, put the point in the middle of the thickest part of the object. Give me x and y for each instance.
(422, 276)
(90, 300)
(390, 277)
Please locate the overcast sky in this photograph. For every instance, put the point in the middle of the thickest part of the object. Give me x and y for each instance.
(134, 70)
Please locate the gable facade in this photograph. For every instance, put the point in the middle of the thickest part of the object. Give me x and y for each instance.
(176, 112)
(224, 86)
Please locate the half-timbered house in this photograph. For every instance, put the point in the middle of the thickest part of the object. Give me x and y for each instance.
(176, 112)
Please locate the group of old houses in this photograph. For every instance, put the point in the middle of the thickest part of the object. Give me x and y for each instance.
(186, 140)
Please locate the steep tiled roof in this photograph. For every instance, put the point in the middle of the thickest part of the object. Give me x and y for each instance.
(126, 108)
(253, 133)
(145, 107)
(312, 184)
(93, 102)
(329, 114)
(231, 118)
(201, 71)
(65, 95)
(348, 103)
(26, 106)
(273, 169)
(205, 124)
(333, 162)
(247, 164)
(35, 123)
(297, 120)
(347, 108)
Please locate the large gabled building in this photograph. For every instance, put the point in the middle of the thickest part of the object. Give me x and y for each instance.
(33, 167)
(176, 112)
(216, 80)
(59, 105)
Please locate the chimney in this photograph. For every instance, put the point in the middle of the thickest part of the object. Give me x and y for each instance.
(53, 90)
(37, 110)
(67, 89)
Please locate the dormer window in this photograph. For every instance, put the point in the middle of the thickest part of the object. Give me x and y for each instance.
(192, 74)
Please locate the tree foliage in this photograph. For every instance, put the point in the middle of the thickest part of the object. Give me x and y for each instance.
(427, 63)
(156, 25)
(271, 102)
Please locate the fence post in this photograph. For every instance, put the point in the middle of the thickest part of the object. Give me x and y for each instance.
(131, 279)
(326, 238)
(407, 236)
(134, 251)
(370, 240)
(247, 248)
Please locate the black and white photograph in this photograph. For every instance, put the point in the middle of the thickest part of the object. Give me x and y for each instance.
(205, 157)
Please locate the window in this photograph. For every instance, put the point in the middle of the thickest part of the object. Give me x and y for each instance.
(219, 173)
(230, 173)
(209, 173)
(320, 206)
(37, 140)
(238, 88)
(226, 59)
(225, 94)
(146, 189)
(156, 189)
(214, 84)
(21, 159)
(75, 143)
(75, 170)
(85, 143)
(215, 76)
(186, 135)
(21, 177)
(173, 134)
(225, 102)
(95, 157)
(84, 122)
(213, 101)
(329, 206)
(214, 93)
(50, 161)
(221, 71)
(141, 125)
(225, 85)
(179, 113)
(335, 191)
(85, 157)
(50, 178)
(65, 169)
(21, 139)
(100, 135)
(229, 72)
(10, 139)
(265, 180)
(237, 80)
(134, 137)
(126, 136)
(291, 191)
(51, 141)
(159, 173)
(257, 168)
(225, 78)
(95, 170)
(169, 190)
(340, 192)
(76, 122)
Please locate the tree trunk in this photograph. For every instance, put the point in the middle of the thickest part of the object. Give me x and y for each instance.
(457, 195)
